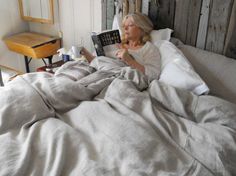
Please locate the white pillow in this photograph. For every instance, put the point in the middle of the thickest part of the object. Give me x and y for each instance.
(161, 34)
(116, 24)
(177, 71)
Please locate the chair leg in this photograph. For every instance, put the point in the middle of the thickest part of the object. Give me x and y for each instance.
(1, 81)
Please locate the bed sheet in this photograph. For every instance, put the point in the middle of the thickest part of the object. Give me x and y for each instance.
(112, 122)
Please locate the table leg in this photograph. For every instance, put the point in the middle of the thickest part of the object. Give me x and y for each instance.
(27, 64)
(50, 60)
(1, 81)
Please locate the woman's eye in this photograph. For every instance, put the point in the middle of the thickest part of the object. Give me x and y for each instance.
(129, 25)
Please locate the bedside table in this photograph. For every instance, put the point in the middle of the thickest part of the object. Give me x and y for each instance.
(33, 46)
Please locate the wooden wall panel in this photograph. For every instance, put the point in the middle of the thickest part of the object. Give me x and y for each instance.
(125, 6)
(187, 13)
(132, 6)
(193, 15)
(230, 44)
(138, 5)
(110, 13)
(203, 24)
(218, 25)
(104, 14)
(145, 6)
(153, 10)
(231, 50)
(181, 19)
(162, 13)
(165, 12)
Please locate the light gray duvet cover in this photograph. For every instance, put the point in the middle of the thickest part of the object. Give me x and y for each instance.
(112, 122)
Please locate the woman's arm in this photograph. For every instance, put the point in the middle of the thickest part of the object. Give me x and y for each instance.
(87, 54)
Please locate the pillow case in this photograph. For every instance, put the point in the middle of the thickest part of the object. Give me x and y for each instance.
(116, 24)
(161, 34)
(177, 71)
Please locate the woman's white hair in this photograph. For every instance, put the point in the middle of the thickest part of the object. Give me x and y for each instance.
(143, 22)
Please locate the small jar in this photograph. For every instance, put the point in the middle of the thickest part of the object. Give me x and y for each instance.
(65, 57)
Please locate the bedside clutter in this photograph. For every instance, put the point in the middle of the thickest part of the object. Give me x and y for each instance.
(7, 73)
(52, 68)
(56, 65)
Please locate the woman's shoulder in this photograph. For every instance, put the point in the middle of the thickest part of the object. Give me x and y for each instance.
(150, 47)
(147, 49)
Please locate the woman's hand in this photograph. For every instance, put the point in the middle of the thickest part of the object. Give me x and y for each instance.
(87, 54)
(124, 55)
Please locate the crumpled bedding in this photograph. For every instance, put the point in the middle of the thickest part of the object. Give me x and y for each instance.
(112, 121)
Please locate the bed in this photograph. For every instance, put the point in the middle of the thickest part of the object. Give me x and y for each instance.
(81, 121)
(112, 121)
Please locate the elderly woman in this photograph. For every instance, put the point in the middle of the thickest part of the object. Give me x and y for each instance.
(136, 49)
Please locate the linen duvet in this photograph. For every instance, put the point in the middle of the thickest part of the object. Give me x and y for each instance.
(110, 120)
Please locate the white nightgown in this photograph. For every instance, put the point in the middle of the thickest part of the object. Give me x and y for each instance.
(148, 56)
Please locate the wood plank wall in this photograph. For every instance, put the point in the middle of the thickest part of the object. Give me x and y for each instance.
(230, 49)
(218, 25)
(201, 23)
(187, 13)
(160, 9)
(109, 11)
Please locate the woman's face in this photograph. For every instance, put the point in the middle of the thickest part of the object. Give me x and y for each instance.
(131, 31)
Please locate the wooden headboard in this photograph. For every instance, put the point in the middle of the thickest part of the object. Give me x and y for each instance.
(206, 24)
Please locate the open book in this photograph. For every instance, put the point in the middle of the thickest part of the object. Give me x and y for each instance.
(105, 42)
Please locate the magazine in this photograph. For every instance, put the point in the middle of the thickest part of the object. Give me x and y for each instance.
(105, 42)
